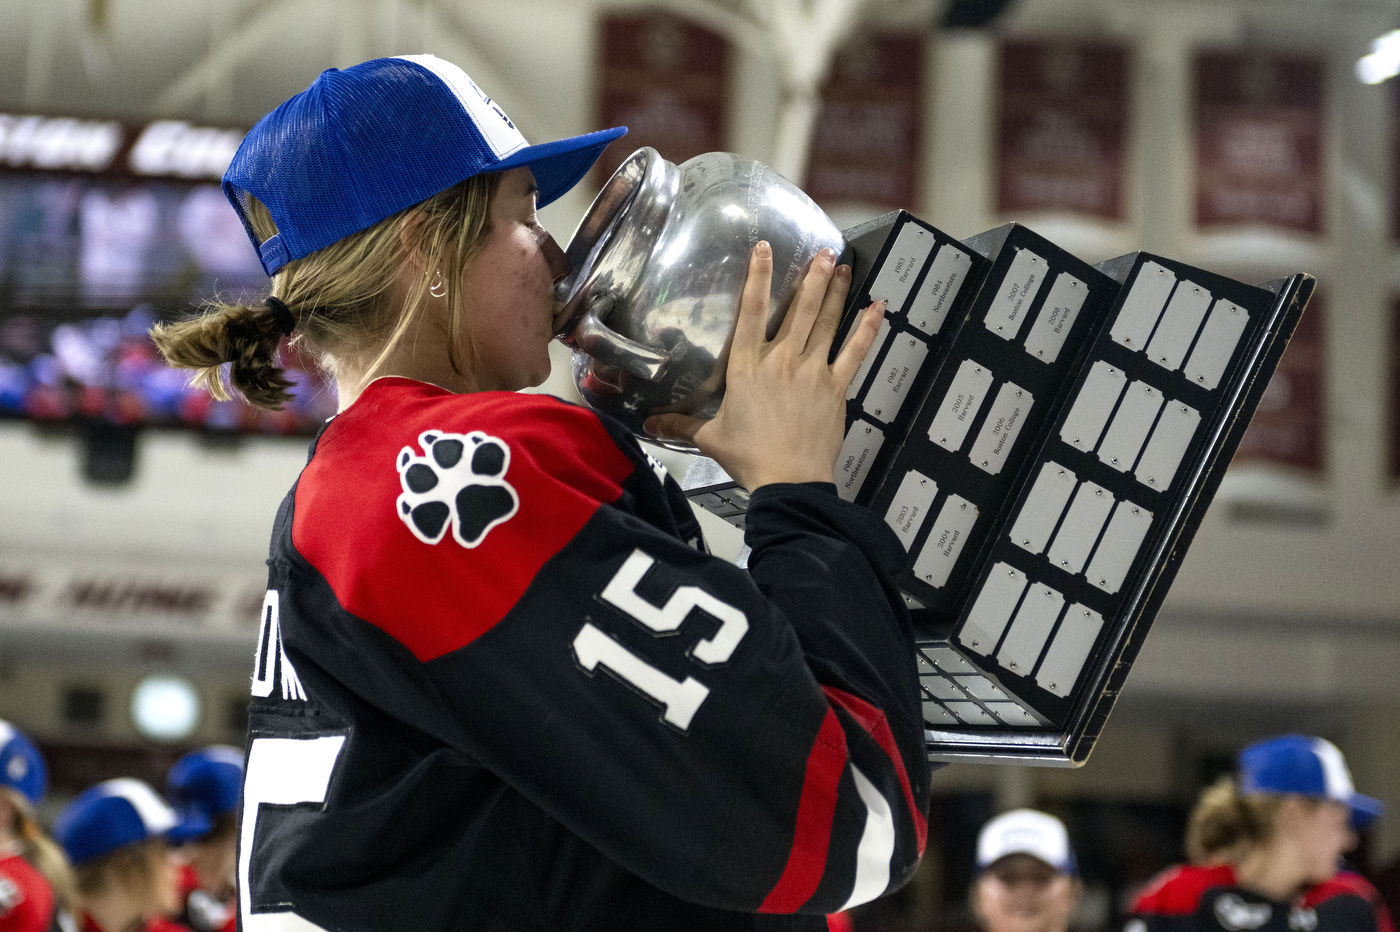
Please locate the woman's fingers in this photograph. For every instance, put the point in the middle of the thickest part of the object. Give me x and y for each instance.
(829, 317)
(673, 426)
(853, 353)
(807, 302)
(752, 325)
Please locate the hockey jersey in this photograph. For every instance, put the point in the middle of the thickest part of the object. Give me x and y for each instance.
(500, 685)
(26, 900)
(1207, 899)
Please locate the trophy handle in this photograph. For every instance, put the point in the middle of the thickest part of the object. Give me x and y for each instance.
(605, 344)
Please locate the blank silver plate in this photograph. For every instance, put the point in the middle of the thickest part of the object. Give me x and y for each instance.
(971, 713)
(992, 609)
(902, 266)
(1022, 283)
(935, 714)
(1170, 439)
(946, 541)
(979, 687)
(1043, 507)
(940, 687)
(1179, 325)
(960, 405)
(1080, 529)
(858, 452)
(1029, 631)
(948, 660)
(1092, 406)
(1120, 546)
(1142, 306)
(1131, 423)
(940, 289)
(1217, 344)
(1013, 714)
(910, 506)
(1069, 650)
(897, 372)
(1056, 318)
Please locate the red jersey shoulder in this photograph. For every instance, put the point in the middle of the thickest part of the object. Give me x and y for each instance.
(26, 901)
(1348, 883)
(1177, 891)
(417, 497)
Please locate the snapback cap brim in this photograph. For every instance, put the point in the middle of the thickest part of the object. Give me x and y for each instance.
(1364, 810)
(561, 164)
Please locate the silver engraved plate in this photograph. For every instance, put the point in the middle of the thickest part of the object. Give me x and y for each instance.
(1001, 428)
(1092, 406)
(1018, 289)
(935, 714)
(1056, 318)
(882, 336)
(1043, 507)
(1119, 547)
(910, 506)
(1081, 527)
(960, 405)
(940, 289)
(901, 267)
(1012, 714)
(1142, 306)
(862, 445)
(1179, 324)
(1031, 628)
(1068, 651)
(1130, 426)
(945, 542)
(1170, 439)
(971, 713)
(891, 386)
(992, 609)
(1217, 344)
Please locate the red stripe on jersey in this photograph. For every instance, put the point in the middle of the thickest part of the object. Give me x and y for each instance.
(816, 811)
(437, 598)
(1177, 891)
(1348, 883)
(878, 727)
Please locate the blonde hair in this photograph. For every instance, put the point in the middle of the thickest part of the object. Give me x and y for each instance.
(1225, 825)
(135, 866)
(40, 850)
(339, 297)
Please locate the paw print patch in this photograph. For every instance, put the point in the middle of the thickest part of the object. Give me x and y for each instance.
(459, 480)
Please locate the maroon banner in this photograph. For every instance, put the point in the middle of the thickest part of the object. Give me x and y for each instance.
(666, 80)
(866, 147)
(1259, 125)
(1063, 128)
(1290, 425)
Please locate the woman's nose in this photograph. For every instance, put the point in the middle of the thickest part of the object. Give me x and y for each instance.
(559, 266)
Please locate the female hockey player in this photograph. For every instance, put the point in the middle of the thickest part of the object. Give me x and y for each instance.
(36, 883)
(500, 684)
(1266, 848)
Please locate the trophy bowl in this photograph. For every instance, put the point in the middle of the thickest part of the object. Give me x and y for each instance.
(657, 269)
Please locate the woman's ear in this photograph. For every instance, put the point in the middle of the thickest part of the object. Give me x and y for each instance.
(411, 239)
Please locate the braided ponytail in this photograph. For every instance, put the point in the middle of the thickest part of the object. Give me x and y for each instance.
(244, 336)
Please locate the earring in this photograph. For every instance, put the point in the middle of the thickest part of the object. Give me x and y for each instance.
(438, 289)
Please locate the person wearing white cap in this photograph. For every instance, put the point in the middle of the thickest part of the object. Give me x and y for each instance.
(1027, 877)
(1266, 846)
(500, 682)
(128, 881)
(36, 882)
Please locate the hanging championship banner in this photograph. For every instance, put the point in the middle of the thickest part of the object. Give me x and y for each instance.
(1259, 125)
(866, 147)
(666, 80)
(1063, 129)
(1290, 425)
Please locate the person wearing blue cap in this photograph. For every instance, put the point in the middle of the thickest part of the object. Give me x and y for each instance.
(36, 883)
(204, 787)
(500, 683)
(127, 879)
(1266, 846)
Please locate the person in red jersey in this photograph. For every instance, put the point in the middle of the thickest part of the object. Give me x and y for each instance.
(127, 878)
(36, 883)
(500, 683)
(204, 786)
(1027, 876)
(1266, 848)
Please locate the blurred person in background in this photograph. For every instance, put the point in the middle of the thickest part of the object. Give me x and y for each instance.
(1027, 879)
(36, 883)
(204, 787)
(1266, 846)
(127, 878)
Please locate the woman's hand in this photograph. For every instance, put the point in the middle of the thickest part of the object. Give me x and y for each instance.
(784, 407)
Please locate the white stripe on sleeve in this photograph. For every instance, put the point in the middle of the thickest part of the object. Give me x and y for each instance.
(876, 848)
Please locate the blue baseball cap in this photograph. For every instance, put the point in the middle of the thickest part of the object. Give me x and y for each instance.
(111, 815)
(21, 765)
(202, 786)
(1306, 766)
(366, 142)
